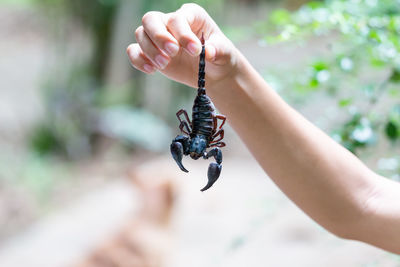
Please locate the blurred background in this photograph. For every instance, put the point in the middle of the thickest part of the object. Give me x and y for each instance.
(86, 178)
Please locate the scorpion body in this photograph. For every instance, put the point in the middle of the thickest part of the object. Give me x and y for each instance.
(202, 132)
(203, 113)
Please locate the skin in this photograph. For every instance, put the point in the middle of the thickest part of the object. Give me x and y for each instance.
(324, 179)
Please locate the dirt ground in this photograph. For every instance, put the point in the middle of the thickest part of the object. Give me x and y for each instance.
(244, 220)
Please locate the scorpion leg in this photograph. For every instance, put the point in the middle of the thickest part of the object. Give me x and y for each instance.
(178, 148)
(184, 123)
(214, 169)
(221, 117)
(220, 133)
(218, 144)
(216, 129)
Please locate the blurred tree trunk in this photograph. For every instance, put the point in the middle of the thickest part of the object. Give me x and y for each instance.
(155, 92)
(125, 22)
(102, 30)
(294, 4)
(158, 96)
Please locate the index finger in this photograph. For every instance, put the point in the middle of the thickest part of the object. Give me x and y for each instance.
(179, 25)
(154, 24)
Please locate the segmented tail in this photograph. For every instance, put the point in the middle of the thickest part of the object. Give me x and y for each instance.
(202, 65)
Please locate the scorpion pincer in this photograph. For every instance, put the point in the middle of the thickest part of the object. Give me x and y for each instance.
(202, 132)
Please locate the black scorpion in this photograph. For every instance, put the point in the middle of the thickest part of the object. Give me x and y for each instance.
(202, 132)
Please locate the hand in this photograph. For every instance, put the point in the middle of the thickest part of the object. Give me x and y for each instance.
(170, 43)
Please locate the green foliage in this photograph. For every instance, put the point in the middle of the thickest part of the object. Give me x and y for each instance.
(69, 126)
(361, 66)
(392, 127)
(355, 133)
(44, 141)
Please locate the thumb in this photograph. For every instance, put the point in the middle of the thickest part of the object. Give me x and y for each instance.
(218, 49)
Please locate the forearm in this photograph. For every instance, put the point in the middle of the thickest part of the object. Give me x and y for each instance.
(325, 180)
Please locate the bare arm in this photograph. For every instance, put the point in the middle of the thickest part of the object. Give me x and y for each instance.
(325, 180)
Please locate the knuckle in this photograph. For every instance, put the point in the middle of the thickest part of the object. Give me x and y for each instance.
(148, 54)
(173, 19)
(182, 39)
(149, 16)
(158, 36)
(131, 50)
(185, 38)
(190, 6)
(145, 50)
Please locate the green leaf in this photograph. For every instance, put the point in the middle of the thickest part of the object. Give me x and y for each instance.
(345, 102)
(44, 141)
(313, 83)
(395, 77)
(320, 65)
(377, 62)
(280, 17)
(374, 35)
(394, 92)
(314, 5)
(391, 131)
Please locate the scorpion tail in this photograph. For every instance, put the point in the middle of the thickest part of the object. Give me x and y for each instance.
(177, 153)
(214, 170)
(202, 64)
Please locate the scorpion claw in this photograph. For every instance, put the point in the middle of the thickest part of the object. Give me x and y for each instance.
(214, 170)
(177, 153)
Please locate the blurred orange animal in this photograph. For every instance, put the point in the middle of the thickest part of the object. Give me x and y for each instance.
(146, 240)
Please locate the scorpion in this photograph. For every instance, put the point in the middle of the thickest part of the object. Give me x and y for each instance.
(202, 132)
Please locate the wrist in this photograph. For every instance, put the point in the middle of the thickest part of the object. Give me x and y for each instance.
(236, 70)
(243, 91)
(241, 79)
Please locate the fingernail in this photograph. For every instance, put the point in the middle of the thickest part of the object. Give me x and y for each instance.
(161, 61)
(171, 48)
(193, 49)
(148, 68)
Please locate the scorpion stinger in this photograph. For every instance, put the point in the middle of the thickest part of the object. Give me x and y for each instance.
(202, 132)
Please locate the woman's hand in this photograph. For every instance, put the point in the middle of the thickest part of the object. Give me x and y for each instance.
(170, 43)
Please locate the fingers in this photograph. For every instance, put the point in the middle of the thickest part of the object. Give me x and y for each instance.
(155, 55)
(161, 36)
(139, 59)
(179, 26)
(154, 24)
(169, 31)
